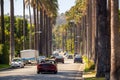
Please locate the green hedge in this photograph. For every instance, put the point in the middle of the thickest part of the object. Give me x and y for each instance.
(4, 66)
(4, 55)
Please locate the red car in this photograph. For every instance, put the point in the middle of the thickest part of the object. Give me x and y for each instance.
(47, 66)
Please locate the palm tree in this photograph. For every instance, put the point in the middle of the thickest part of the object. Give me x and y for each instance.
(41, 29)
(24, 24)
(12, 47)
(47, 9)
(115, 42)
(30, 34)
(51, 11)
(103, 39)
(2, 21)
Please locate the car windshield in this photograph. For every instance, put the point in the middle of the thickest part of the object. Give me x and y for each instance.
(42, 57)
(48, 61)
(16, 60)
(59, 56)
(77, 56)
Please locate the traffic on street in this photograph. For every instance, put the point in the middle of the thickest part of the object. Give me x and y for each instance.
(67, 71)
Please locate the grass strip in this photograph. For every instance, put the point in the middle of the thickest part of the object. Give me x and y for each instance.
(2, 66)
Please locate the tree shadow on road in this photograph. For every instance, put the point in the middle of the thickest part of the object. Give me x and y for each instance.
(62, 75)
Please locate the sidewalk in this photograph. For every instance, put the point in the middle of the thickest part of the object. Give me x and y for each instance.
(79, 75)
(88, 74)
(91, 76)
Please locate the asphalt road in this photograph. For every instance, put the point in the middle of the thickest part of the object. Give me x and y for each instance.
(66, 71)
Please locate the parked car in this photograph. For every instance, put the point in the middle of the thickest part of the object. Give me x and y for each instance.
(47, 66)
(59, 59)
(17, 62)
(70, 57)
(78, 59)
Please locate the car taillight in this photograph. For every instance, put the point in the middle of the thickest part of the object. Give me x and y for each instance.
(38, 66)
(52, 67)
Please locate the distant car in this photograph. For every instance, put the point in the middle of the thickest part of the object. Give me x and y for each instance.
(17, 62)
(54, 55)
(59, 59)
(25, 61)
(47, 66)
(75, 54)
(66, 54)
(32, 61)
(78, 59)
(41, 58)
(70, 57)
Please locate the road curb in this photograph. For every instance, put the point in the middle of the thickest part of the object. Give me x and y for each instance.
(5, 69)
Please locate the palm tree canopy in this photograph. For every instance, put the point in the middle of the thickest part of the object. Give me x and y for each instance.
(77, 11)
(50, 6)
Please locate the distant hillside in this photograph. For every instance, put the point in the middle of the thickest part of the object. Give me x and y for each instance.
(60, 19)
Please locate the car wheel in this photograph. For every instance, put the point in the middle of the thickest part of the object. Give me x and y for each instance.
(38, 72)
(55, 72)
(22, 66)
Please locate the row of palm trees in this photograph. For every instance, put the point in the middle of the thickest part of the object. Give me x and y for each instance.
(97, 24)
(45, 13)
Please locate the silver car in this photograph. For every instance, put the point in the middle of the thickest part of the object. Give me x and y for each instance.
(17, 62)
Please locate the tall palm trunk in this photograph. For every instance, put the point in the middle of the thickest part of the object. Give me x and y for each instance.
(107, 70)
(103, 38)
(37, 31)
(24, 24)
(35, 28)
(41, 29)
(46, 34)
(90, 29)
(50, 35)
(93, 27)
(115, 42)
(12, 46)
(65, 39)
(30, 33)
(2, 22)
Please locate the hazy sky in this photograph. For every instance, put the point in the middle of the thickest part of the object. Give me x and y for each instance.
(64, 5)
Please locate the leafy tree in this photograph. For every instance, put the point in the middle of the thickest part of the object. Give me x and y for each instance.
(4, 54)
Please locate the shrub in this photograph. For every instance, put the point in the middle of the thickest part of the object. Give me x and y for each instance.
(4, 55)
(89, 64)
